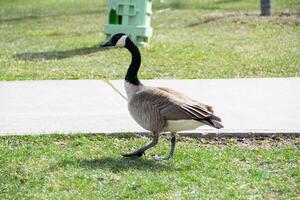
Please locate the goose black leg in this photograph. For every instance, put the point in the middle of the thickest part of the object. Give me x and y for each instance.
(141, 151)
(173, 142)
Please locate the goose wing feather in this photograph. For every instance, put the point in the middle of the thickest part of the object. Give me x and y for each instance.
(173, 105)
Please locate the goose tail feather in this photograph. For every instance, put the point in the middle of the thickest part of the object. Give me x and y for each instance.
(216, 124)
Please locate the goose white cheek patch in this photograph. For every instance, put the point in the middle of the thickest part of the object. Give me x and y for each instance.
(121, 41)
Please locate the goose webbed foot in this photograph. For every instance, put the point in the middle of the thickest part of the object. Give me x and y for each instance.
(160, 158)
(134, 154)
(173, 142)
(140, 152)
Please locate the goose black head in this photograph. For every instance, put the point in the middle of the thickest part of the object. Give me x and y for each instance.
(117, 40)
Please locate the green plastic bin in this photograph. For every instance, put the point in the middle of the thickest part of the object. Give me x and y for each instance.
(131, 17)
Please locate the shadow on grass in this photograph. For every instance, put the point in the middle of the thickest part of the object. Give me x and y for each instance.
(121, 164)
(227, 1)
(209, 19)
(181, 5)
(57, 55)
(178, 4)
(34, 17)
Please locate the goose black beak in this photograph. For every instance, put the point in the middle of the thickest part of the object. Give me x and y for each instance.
(107, 44)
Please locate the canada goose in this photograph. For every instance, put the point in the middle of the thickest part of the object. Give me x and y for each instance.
(159, 109)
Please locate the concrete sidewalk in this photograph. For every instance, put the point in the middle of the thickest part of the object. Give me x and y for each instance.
(247, 106)
(85, 106)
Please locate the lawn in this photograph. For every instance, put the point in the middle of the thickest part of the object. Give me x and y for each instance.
(195, 39)
(90, 167)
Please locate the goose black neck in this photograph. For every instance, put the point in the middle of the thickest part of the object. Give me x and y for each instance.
(131, 75)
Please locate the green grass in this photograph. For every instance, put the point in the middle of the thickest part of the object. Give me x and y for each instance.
(90, 167)
(195, 39)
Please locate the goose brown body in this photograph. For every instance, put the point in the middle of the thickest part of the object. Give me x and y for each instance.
(157, 108)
